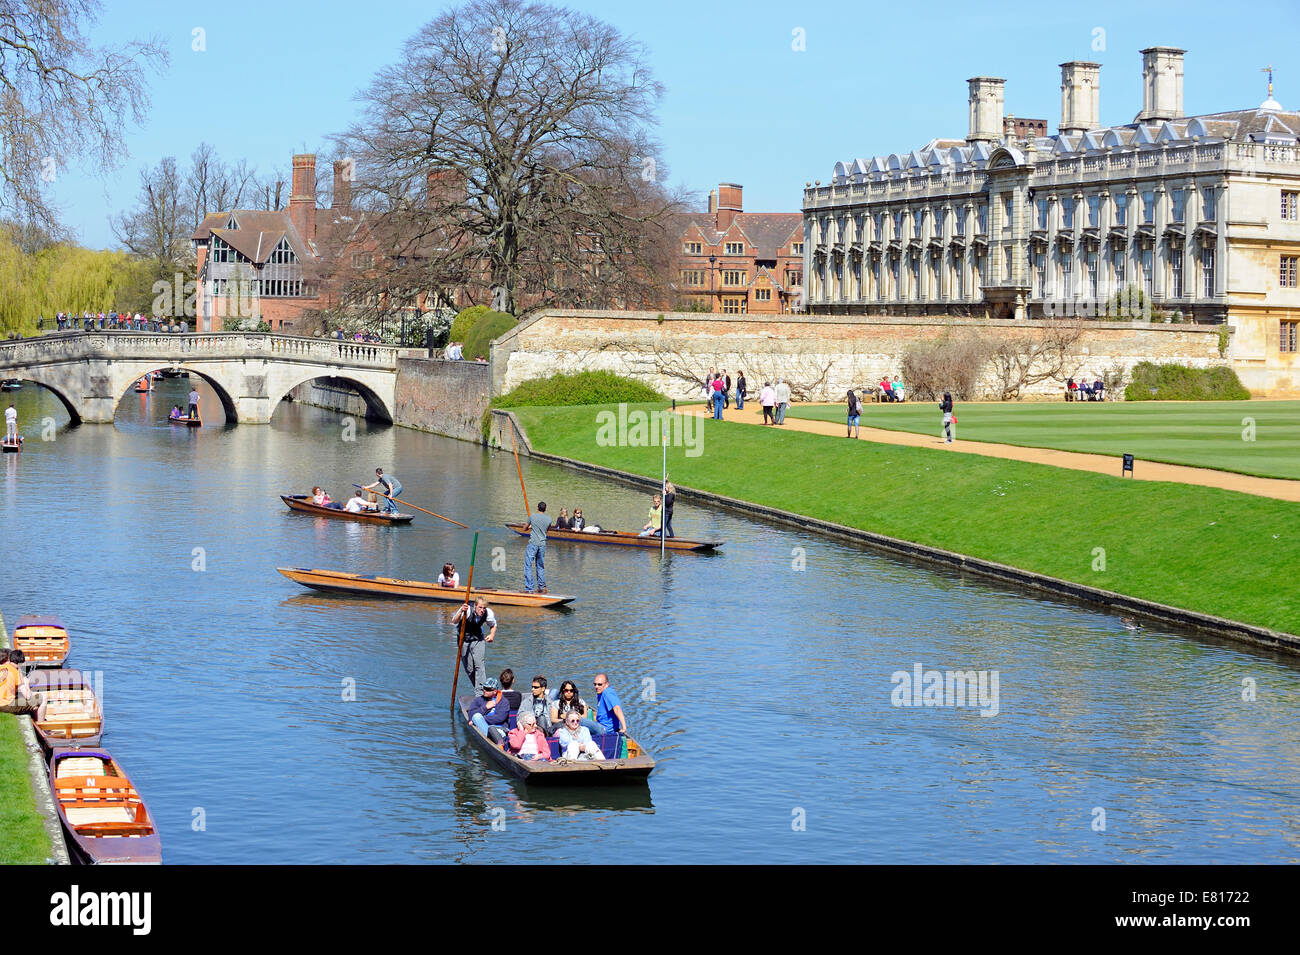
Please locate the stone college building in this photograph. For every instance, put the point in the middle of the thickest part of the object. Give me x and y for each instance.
(1196, 218)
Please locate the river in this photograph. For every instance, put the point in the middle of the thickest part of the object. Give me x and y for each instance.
(265, 723)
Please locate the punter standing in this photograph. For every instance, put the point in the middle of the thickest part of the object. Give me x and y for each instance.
(11, 424)
(480, 629)
(538, 525)
(390, 488)
(194, 403)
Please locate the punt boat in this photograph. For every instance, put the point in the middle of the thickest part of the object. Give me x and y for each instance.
(101, 809)
(619, 538)
(635, 767)
(72, 714)
(43, 639)
(13, 447)
(337, 581)
(195, 422)
(303, 503)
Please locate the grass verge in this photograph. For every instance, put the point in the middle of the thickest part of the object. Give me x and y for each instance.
(23, 840)
(1258, 437)
(1204, 549)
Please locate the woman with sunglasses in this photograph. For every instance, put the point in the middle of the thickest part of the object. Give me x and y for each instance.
(569, 702)
(576, 522)
(575, 739)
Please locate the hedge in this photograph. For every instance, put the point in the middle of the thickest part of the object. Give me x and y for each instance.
(1153, 382)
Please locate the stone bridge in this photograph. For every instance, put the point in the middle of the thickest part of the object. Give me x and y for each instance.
(90, 372)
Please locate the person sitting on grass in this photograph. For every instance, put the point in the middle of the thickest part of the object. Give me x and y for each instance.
(526, 740)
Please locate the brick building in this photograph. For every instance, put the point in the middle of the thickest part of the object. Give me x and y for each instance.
(740, 262)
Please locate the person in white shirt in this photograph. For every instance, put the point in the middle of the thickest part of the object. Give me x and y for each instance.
(449, 577)
(11, 423)
(782, 400)
(767, 398)
(357, 504)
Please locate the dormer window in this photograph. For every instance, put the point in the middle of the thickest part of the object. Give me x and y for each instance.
(232, 222)
(282, 254)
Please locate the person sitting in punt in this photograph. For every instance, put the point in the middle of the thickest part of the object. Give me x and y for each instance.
(539, 704)
(526, 740)
(577, 522)
(320, 498)
(654, 519)
(575, 740)
(449, 577)
(176, 411)
(490, 711)
(563, 522)
(357, 504)
(513, 696)
(567, 703)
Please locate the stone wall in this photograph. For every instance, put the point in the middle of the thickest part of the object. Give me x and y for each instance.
(823, 355)
(445, 397)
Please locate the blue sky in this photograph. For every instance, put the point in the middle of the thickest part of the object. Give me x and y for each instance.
(741, 104)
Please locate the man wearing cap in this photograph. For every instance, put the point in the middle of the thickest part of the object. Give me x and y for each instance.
(490, 708)
(480, 629)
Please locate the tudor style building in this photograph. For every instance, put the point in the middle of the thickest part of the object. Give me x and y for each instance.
(739, 262)
(1197, 213)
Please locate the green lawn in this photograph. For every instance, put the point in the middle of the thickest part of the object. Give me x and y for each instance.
(1204, 549)
(23, 839)
(1205, 434)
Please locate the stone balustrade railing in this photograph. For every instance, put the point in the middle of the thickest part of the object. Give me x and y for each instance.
(165, 348)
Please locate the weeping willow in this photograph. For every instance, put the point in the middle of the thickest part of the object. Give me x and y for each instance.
(58, 278)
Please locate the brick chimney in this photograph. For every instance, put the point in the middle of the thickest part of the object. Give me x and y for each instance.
(729, 203)
(986, 93)
(302, 200)
(1162, 84)
(1080, 96)
(444, 187)
(343, 171)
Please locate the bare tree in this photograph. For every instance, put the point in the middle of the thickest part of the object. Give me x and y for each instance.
(1049, 351)
(61, 98)
(213, 186)
(510, 150)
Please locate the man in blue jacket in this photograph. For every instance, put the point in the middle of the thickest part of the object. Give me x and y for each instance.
(490, 709)
(609, 709)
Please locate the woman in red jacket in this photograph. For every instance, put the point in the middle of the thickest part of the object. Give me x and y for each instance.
(526, 740)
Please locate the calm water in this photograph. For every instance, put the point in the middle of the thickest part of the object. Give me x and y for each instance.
(771, 688)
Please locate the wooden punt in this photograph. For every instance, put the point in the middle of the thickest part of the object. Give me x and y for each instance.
(13, 447)
(619, 538)
(101, 809)
(302, 502)
(195, 422)
(72, 714)
(337, 581)
(11, 384)
(634, 768)
(43, 639)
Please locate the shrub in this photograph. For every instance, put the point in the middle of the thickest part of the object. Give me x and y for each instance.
(490, 326)
(583, 388)
(1181, 383)
(945, 364)
(1223, 341)
(465, 321)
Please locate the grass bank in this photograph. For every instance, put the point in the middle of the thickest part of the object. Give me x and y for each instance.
(1203, 549)
(23, 840)
(1206, 434)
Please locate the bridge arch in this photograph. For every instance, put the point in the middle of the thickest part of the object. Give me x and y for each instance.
(140, 369)
(47, 382)
(376, 407)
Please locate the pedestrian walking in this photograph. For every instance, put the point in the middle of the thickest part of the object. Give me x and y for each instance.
(855, 415)
(782, 400)
(767, 398)
(480, 630)
(535, 556)
(726, 391)
(948, 418)
(740, 391)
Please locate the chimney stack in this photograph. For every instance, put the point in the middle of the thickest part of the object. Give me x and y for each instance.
(985, 109)
(1162, 84)
(1080, 96)
(713, 202)
(302, 200)
(729, 203)
(342, 185)
(444, 186)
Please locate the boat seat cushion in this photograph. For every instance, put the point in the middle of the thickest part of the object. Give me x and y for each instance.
(81, 766)
(555, 748)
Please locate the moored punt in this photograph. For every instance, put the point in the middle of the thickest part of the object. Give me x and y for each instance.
(632, 768)
(302, 502)
(101, 809)
(618, 538)
(43, 639)
(337, 581)
(71, 715)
